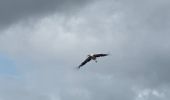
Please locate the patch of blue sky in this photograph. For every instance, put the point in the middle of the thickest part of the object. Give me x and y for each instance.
(7, 65)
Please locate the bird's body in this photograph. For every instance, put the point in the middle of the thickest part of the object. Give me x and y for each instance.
(92, 57)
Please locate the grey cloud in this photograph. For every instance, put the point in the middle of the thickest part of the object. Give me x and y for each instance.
(147, 27)
(136, 34)
(14, 88)
(15, 10)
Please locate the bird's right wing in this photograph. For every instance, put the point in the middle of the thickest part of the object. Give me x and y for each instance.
(101, 55)
(84, 62)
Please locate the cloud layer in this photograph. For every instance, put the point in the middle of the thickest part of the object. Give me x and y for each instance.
(15, 10)
(47, 50)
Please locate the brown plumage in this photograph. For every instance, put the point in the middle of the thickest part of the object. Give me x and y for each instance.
(91, 57)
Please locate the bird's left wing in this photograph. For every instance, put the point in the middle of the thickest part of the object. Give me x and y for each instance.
(84, 62)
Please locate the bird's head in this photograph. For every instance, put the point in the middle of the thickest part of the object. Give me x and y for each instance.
(89, 55)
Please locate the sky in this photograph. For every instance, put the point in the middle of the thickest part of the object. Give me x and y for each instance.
(43, 41)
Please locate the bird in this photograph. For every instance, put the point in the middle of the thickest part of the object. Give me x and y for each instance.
(91, 57)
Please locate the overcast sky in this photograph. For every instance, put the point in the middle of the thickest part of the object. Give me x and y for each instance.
(43, 41)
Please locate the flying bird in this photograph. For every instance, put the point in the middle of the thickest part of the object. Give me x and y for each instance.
(91, 57)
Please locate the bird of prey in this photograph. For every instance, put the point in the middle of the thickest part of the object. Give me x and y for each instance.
(91, 57)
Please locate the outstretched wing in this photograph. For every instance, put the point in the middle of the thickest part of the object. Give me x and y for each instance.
(100, 55)
(84, 62)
